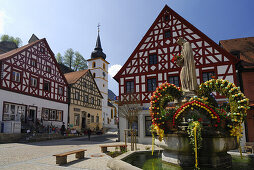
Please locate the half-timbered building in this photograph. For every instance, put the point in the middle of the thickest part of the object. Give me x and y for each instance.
(32, 89)
(85, 109)
(243, 49)
(151, 64)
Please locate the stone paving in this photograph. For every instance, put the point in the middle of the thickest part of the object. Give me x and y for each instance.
(38, 155)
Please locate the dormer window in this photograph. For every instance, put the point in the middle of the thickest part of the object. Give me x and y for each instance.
(152, 59)
(33, 62)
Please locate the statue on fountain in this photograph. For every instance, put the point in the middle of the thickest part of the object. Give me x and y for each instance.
(197, 124)
(188, 72)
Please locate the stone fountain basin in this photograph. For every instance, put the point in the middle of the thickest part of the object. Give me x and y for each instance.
(181, 143)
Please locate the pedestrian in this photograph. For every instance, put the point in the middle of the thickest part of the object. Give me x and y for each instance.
(89, 133)
(63, 129)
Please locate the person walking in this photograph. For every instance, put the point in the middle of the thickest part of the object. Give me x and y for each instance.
(89, 133)
(63, 129)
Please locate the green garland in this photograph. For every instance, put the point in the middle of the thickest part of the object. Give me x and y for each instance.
(238, 102)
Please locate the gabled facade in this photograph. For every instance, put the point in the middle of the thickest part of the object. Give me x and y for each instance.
(85, 109)
(32, 88)
(151, 63)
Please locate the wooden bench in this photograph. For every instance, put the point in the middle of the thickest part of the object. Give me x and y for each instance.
(249, 146)
(62, 157)
(104, 147)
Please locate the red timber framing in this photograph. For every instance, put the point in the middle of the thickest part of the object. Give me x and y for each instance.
(207, 55)
(32, 62)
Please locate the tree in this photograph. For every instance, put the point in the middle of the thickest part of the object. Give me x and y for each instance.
(130, 110)
(59, 58)
(16, 40)
(73, 60)
(69, 57)
(80, 63)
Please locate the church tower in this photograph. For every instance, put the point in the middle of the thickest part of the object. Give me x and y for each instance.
(99, 69)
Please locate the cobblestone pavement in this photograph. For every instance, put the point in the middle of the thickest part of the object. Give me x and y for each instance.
(38, 155)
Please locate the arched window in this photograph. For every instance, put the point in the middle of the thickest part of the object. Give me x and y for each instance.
(104, 66)
(94, 75)
(94, 64)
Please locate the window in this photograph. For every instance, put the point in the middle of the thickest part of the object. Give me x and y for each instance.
(52, 115)
(92, 119)
(97, 119)
(48, 69)
(85, 84)
(60, 91)
(94, 75)
(77, 95)
(174, 80)
(151, 84)
(59, 115)
(148, 123)
(104, 66)
(33, 62)
(86, 99)
(207, 75)
(152, 59)
(16, 76)
(76, 119)
(129, 86)
(33, 82)
(45, 114)
(94, 64)
(167, 34)
(92, 100)
(46, 86)
(99, 102)
(42, 49)
(166, 18)
(112, 113)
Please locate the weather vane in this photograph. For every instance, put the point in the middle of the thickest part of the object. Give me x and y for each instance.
(98, 27)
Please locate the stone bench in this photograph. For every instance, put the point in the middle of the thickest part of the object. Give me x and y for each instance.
(62, 157)
(104, 147)
(249, 146)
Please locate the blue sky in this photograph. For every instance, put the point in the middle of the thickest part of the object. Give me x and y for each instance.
(73, 24)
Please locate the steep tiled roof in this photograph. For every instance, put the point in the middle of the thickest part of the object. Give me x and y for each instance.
(74, 76)
(6, 46)
(15, 51)
(243, 46)
(64, 68)
(111, 95)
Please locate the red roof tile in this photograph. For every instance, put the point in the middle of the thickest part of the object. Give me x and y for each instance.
(74, 76)
(15, 51)
(243, 45)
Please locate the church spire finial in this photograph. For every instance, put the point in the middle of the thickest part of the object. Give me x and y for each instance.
(98, 27)
(98, 49)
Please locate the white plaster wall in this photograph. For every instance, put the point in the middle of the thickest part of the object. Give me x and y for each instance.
(141, 138)
(33, 101)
